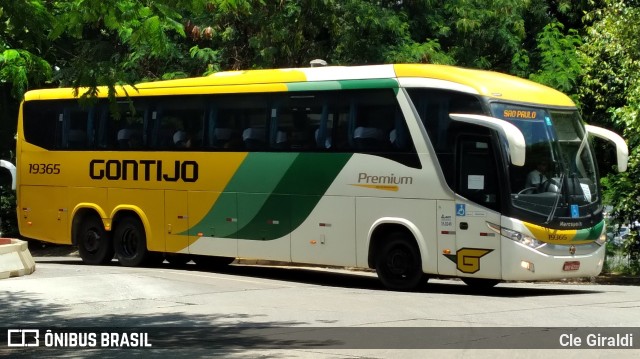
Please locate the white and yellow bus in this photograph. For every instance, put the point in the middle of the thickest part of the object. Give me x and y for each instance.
(413, 170)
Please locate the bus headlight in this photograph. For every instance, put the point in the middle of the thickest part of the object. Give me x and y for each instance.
(516, 236)
(521, 238)
(603, 238)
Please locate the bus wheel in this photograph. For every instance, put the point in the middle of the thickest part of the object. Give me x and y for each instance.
(212, 262)
(93, 241)
(480, 283)
(130, 242)
(398, 263)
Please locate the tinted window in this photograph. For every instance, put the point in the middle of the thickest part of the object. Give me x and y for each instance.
(434, 107)
(366, 121)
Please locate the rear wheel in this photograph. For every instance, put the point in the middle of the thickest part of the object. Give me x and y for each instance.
(398, 263)
(130, 242)
(94, 243)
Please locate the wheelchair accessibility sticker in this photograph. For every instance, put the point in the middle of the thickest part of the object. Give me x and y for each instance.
(575, 211)
(461, 210)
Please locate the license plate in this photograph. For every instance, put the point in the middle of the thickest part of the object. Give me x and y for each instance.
(569, 266)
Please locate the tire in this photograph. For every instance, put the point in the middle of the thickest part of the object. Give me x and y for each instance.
(212, 262)
(94, 242)
(398, 263)
(130, 242)
(480, 283)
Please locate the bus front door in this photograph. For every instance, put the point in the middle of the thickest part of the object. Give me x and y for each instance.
(477, 184)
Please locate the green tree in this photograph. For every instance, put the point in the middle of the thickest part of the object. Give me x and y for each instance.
(610, 94)
(560, 63)
(24, 26)
(23, 29)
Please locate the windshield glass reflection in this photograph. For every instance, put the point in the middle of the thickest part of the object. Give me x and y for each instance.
(559, 175)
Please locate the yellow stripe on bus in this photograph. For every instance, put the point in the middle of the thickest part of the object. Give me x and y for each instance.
(555, 236)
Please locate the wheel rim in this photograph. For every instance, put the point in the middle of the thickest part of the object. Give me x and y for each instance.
(92, 241)
(399, 262)
(130, 242)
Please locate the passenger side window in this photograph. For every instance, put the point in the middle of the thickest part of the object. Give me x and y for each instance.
(126, 126)
(225, 130)
(434, 107)
(366, 121)
(63, 125)
(297, 122)
(179, 124)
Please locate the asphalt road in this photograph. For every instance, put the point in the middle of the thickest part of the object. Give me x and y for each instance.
(312, 308)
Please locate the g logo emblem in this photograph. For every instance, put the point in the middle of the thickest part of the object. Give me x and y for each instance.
(467, 260)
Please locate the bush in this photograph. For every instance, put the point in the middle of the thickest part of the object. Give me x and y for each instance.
(631, 248)
(8, 214)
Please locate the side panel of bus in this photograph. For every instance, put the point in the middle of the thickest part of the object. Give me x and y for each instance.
(327, 235)
(176, 220)
(48, 222)
(261, 227)
(212, 237)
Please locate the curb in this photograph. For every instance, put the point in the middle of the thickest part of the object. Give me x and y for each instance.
(15, 258)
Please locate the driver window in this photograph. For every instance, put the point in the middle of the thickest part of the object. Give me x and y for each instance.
(477, 177)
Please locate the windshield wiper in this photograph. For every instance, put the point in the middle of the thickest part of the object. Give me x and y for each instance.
(555, 204)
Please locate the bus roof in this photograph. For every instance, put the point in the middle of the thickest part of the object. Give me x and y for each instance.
(485, 83)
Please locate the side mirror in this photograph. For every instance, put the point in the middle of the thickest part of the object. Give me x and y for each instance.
(8, 165)
(622, 151)
(513, 135)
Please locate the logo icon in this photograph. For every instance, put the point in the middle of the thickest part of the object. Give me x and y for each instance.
(23, 337)
(467, 260)
(461, 210)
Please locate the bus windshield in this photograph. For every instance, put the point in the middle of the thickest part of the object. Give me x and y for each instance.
(558, 179)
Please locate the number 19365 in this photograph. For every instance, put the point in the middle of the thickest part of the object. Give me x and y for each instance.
(44, 168)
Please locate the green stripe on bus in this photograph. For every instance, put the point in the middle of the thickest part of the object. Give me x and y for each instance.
(314, 86)
(309, 178)
(369, 84)
(260, 172)
(294, 198)
(342, 85)
(249, 188)
(265, 209)
(592, 233)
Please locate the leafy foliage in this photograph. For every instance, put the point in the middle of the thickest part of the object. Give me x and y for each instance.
(610, 94)
(19, 67)
(8, 215)
(561, 64)
(21, 61)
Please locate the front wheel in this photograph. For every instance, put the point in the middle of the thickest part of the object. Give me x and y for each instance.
(398, 263)
(130, 242)
(94, 245)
